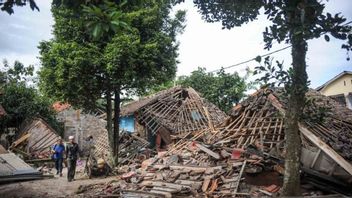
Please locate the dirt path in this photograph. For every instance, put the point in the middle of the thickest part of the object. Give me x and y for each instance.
(54, 187)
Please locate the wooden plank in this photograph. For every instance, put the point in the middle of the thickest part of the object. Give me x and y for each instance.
(214, 185)
(166, 194)
(265, 192)
(195, 168)
(315, 158)
(239, 177)
(326, 149)
(170, 190)
(208, 151)
(164, 184)
(20, 140)
(193, 184)
(138, 193)
(210, 123)
(206, 183)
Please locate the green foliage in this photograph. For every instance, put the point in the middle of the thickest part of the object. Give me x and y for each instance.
(80, 66)
(70, 71)
(159, 87)
(104, 19)
(222, 89)
(17, 73)
(22, 102)
(7, 5)
(273, 75)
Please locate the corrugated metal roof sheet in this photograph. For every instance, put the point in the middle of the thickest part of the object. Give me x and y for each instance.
(11, 165)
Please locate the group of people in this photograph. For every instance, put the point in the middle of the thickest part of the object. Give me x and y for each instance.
(70, 151)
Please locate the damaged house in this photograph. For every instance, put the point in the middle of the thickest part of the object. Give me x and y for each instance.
(35, 140)
(80, 124)
(173, 113)
(244, 156)
(256, 128)
(160, 119)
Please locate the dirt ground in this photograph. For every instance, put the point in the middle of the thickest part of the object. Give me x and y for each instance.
(53, 187)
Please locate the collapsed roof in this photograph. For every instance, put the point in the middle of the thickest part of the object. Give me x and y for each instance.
(36, 139)
(259, 120)
(180, 110)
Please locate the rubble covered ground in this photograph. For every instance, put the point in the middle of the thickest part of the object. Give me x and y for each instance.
(242, 156)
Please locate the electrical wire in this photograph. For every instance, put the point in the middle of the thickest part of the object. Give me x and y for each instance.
(264, 55)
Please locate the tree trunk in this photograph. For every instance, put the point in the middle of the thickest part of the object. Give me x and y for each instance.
(109, 121)
(296, 100)
(117, 102)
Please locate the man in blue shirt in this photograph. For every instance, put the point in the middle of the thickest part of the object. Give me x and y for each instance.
(58, 155)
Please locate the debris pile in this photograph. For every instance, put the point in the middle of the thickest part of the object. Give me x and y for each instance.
(132, 149)
(244, 156)
(81, 125)
(195, 169)
(172, 113)
(12, 168)
(35, 141)
(179, 110)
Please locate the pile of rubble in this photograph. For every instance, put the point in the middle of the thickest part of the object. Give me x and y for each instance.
(35, 141)
(194, 170)
(244, 156)
(132, 149)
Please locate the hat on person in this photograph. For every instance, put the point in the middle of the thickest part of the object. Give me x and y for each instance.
(71, 137)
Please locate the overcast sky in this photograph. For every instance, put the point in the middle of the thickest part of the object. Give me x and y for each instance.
(202, 44)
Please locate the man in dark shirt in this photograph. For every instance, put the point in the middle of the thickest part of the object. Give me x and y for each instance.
(58, 155)
(72, 151)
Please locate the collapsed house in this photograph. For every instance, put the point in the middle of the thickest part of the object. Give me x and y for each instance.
(35, 140)
(160, 119)
(173, 113)
(244, 156)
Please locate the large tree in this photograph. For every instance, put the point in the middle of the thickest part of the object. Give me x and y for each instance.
(293, 22)
(107, 49)
(222, 89)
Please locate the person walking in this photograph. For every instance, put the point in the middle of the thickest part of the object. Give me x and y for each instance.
(58, 155)
(72, 151)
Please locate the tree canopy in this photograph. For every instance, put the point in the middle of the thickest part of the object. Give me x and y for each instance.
(75, 65)
(222, 89)
(102, 49)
